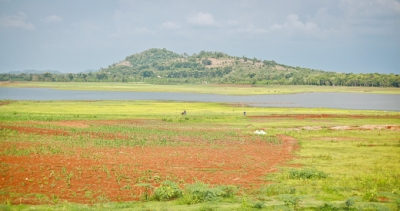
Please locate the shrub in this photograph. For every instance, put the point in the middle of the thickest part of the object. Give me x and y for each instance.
(190, 199)
(290, 201)
(259, 205)
(200, 192)
(328, 207)
(228, 191)
(167, 191)
(307, 174)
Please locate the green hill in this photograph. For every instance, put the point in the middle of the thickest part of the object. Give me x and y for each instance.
(161, 65)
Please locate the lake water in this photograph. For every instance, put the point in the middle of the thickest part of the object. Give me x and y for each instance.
(308, 100)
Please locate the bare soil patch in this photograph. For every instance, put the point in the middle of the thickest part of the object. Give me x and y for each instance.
(55, 132)
(341, 128)
(347, 127)
(39, 131)
(75, 124)
(325, 116)
(5, 102)
(124, 63)
(367, 127)
(220, 62)
(92, 174)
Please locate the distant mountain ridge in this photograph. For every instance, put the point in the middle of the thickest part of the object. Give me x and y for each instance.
(35, 72)
(90, 71)
(46, 71)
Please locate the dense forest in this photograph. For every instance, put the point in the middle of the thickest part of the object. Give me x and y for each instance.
(166, 67)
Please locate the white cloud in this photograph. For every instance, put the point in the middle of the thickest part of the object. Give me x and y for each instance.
(293, 24)
(171, 25)
(378, 17)
(16, 21)
(130, 23)
(370, 7)
(250, 29)
(202, 19)
(53, 19)
(86, 27)
(142, 30)
(255, 30)
(233, 23)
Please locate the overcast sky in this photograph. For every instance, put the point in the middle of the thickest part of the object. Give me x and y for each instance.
(73, 36)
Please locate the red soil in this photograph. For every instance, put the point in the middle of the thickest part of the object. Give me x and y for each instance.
(323, 116)
(100, 173)
(46, 131)
(39, 131)
(5, 103)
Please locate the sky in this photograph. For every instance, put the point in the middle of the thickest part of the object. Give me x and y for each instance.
(348, 36)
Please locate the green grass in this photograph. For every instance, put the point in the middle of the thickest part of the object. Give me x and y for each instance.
(62, 110)
(201, 88)
(358, 163)
(355, 169)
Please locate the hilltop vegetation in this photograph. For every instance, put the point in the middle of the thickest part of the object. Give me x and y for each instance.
(165, 67)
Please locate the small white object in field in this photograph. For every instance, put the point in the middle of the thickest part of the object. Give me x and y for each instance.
(260, 132)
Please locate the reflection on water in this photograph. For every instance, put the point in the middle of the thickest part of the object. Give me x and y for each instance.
(311, 100)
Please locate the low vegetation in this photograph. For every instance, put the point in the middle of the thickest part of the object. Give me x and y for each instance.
(99, 155)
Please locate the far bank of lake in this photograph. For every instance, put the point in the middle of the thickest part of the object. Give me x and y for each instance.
(357, 101)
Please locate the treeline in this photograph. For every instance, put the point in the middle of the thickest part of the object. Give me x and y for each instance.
(218, 75)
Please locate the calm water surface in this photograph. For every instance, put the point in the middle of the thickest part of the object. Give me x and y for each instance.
(311, 100)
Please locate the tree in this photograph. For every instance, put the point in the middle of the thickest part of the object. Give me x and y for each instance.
(47, 75)
(219, 55)
(70, 77)
(147, 73)
(101, 76)
(251, 75)
(207, 62)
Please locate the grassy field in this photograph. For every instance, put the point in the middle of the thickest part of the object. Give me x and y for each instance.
(145, 155)
(230, 89)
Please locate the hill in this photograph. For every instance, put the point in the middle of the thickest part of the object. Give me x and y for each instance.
(162, 66)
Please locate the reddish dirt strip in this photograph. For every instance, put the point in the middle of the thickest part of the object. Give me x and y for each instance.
(324, 116)
(54, 132)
